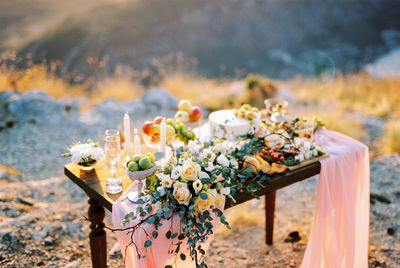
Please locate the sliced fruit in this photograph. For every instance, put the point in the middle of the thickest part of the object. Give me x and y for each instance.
(252, 163)
(265, 167)
(278, 168)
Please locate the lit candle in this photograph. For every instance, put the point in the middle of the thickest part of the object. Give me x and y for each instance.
(163, 136)
(137, 143)
(127, 134)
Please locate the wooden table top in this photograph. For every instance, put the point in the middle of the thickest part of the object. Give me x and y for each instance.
(93, 182)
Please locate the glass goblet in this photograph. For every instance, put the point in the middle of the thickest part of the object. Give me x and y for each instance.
(112, 147)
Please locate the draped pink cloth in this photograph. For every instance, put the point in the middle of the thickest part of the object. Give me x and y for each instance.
(339, 236)
(157, 255)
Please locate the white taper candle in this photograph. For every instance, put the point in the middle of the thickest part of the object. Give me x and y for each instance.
(137, 143)
(163, 136)
(127, 133)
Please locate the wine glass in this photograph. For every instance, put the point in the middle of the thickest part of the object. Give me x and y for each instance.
(112, 147)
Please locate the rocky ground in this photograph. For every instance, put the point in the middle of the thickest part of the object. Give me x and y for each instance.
(37, 228)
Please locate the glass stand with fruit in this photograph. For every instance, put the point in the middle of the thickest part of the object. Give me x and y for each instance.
(138, 168)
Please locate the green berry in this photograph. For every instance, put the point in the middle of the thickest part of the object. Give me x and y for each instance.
(133, 166)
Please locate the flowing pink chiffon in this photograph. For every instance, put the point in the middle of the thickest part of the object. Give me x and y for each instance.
(339, 235)
(157, 255)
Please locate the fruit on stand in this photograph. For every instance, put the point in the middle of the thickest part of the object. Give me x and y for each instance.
(170, 132)
(246, 111)
(148, 128)
(140, 162)
(182, 116)
(195, 114)
(174, 128)
(185, 105)
(188, 112)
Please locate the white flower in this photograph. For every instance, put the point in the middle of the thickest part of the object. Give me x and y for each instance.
(207, 152)
(76, 158)
(315, 152)
(204, 175)
(97, 153)
(234, 163)
(166, 182)
(194, 148)
(210, 167)
(197, 186)
(222, 160)
(176, 172)
(161, 190)
(181, 193)
(181, 161)
(219, 148)
(225, 191)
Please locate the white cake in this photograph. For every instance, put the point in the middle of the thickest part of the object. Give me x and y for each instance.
(235, 126)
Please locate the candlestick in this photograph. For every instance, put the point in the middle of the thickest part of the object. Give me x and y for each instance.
(163, 136)
(127, 134)
(137, 143)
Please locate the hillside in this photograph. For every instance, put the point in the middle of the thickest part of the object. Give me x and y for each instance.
(228, 38)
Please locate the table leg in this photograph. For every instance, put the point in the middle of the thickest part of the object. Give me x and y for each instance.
(97, 236)
(269, 216)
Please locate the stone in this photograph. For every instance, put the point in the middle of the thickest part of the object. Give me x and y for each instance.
(4, 175)
(391, 230)
(292, 237)
(49, 241)
(38, 107)
(73, 264)
(160, 98)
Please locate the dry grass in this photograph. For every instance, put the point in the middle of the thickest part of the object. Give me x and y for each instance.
(210, 93)
(37, 76)
(390, 142)
(359, 92)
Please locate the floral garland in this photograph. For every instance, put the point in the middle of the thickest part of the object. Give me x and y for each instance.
(194, 182)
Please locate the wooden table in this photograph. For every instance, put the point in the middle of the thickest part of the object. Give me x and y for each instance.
(93, 183)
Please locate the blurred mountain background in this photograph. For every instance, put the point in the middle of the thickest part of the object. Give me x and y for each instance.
(275, 38)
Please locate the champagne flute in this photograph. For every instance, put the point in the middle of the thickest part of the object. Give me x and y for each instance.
(112, 148)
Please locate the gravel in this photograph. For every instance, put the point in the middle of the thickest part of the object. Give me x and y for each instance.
(37, 228)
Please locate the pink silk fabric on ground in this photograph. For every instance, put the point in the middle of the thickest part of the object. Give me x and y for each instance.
(157, 255)
(339, 235)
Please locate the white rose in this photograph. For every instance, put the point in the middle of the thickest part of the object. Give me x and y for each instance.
(166, 182)
(181, 193)
(190, 171)
(202, 205)
(97, 153)
(204, 175)
(225, 191)
(210, 167)
(206, 153)
(176, 172)
(194, 148)
(197, 186)
(222, 160)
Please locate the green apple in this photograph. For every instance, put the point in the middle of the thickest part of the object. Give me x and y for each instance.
(145, 163)
(133, 166)
(136, 157)
(185, 105)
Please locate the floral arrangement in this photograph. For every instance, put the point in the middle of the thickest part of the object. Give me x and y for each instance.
(84, 154)
(194, 184)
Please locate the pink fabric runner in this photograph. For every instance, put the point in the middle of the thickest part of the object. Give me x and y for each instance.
(339, 236)
(157, 255)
